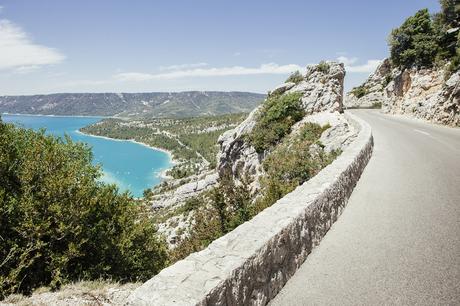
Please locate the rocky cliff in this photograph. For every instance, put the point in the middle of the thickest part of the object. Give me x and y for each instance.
(372, 92)
(424, 93)
(321, 89)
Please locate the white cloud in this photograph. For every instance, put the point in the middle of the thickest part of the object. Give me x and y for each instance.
(270, 68)
(347, 61)
(19, 53)
(368, 67)
(184, 66)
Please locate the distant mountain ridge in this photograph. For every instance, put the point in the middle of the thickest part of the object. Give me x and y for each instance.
(151, 104)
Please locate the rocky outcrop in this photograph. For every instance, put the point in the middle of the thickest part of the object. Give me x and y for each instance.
(338, 136)
(322, 88)
(418, 92)
(425, 94)
(198, 184)
(372, 90)
(322, 91)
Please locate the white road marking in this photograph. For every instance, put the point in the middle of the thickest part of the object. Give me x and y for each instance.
(422, 132)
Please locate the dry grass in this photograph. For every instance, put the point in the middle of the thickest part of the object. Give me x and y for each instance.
(79, 293)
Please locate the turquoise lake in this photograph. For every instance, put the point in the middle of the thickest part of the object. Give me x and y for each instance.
(129, 165)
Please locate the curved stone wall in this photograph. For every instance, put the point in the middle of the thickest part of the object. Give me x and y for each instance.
(251, 264)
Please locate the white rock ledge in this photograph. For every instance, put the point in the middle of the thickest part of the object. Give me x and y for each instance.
(251, 264)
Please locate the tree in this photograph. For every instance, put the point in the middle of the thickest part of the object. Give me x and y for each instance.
(414, 42)
(450, 13)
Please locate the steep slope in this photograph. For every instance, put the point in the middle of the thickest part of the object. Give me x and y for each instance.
(154, 104)
(371, 93)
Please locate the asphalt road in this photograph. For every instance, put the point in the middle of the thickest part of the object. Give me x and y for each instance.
(398, 240)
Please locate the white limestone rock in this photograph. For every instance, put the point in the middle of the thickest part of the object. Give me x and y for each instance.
(375, 85)
(322, 90)
(182, 193)
(425, 94)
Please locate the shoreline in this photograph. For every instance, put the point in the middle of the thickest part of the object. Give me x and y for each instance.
(62, 116)
(161, 174)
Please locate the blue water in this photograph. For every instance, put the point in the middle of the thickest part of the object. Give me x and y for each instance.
(129, 165)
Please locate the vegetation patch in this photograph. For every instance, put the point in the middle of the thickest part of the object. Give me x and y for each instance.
(275, 120)
(360, 91)
(424, 40)
(377, 105)
(228, 205)
(59, 224)
(295, 77)
(324, 67)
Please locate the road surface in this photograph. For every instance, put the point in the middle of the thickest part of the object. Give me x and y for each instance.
(398, 240)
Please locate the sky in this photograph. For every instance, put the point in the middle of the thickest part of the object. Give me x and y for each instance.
(54, 46)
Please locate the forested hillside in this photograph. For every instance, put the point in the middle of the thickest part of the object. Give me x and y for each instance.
(138, 105)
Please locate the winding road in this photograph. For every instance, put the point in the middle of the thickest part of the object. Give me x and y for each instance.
(398, 240)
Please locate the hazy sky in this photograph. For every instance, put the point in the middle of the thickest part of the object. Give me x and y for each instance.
(133, 46)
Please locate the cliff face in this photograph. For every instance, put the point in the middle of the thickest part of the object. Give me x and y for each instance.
(425, 94)
(321, 87)
(421, 93)
(372, 90)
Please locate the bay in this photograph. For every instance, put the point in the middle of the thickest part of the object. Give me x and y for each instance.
(129, 165)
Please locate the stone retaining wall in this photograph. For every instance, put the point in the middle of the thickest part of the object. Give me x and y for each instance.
(251, 264)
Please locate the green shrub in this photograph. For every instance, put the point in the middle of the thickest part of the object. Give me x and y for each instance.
(324, 67)
(377, 105)
(292, 164)
(217, 212)
(295, 77)
(275, 120)
(359, 91)
(59, 224)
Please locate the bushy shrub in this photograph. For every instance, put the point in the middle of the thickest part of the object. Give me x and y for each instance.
(275, 120)
(59, 224)
(295, 77)
(324, 67)
(217, 212)
(293, 163)
(359, 91)
(377, 105)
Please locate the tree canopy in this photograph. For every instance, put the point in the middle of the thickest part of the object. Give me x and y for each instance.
(424, 40)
